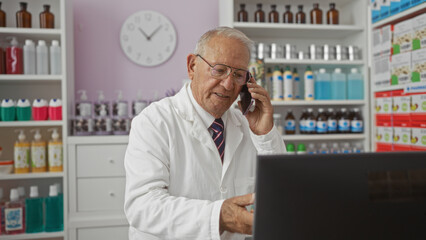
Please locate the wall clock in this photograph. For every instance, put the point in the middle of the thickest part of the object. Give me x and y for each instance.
(148, 38)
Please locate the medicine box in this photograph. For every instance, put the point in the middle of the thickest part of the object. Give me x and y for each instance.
(401, 108)
(419, 32)
(418, 108)
(394, 6)
(402, 136)
(384, 135)
(402, 37)
(418, 65)
(404, 5)
(384, 9)
(386, 41)
(401, 69)
(377, 42)
(382, 71)
(375, 10)
(418, 137)
(383, 107)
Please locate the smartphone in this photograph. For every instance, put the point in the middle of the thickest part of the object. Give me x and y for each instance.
(245, 98)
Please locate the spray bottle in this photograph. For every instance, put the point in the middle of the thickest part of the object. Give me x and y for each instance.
(101, 102)
(55, 152)
(38, 153)
(138, 105)
(21, 153)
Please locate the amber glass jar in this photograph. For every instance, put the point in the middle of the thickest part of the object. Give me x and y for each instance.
(47, 19)
(259, 15)
(300, 15)
(23, 17)
(332, 15)
(316, 14)
(2, 17)
(288, 15)
(273, 14)
(242, 14)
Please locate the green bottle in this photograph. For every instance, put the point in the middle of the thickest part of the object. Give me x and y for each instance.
(290, 149)
(54, 220)
(34, 212)
(301, 149)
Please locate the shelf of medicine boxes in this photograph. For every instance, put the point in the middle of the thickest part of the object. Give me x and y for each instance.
(296, 30)
(30, 78)
(43, 235)
(319, 103)
(323, 137)
(313, 62)
(404, 14)
(14, 176)
(47, 123)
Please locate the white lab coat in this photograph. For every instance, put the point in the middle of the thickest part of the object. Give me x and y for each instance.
(175, 181)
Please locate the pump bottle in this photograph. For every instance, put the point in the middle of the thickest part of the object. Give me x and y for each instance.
(83, 107)
(55, 152)
(54, 222)
(138, 105)
(103, 123)
(22, 154)
(120, 107)
(14, 214)
(38, 153)
(34, 212)
(101, 102)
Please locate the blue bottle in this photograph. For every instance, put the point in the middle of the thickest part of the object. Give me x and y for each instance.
(355, 85)
(322, 85)
(54, 219)
(34, 212)
(338, 85)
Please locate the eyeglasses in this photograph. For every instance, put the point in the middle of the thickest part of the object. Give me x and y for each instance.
(222, 71)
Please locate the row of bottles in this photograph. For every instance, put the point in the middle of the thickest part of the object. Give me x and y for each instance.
(286, 85)
(324, 148)
(33, 157)
(32, 214)
(316, 15)
(31, 59)
(329, 122)
(22, 110)
(24, 18)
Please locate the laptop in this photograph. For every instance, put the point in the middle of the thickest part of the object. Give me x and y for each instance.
(341, 196)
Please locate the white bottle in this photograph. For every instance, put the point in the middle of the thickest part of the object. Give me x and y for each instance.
(21, 192)
(29, 57)
(323, 149)
(288, 84)
(358, 148)
(55, 58)
(309, 84)
(335, 148)
(346, 148)
(42, 58)
(311, 149)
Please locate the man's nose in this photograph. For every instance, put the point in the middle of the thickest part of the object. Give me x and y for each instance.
(228, 82)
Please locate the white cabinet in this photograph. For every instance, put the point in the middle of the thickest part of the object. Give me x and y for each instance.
(104, 233)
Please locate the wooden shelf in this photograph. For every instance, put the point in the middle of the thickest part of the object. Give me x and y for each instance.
(318, 102)
(324, 137)
(33, 236)
(15, 176)
(313, 62)
(31, 123)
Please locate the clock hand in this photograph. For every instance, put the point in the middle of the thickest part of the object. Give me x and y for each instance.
(155, 31)
(146, 35)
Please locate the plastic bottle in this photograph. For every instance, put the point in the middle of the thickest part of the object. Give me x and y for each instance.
(139, 104)
(343, 122)
(311, 122)
(55, 58)
(101, 102)
(273, 14)
(296, 84)
(242, 14)
(40, 110)
(323, 149)
(322, 85)
(29, 57)
(47, 19)
(21, 153)
(355, 85)
(14, 212)
(332, 15)
(300, 15)
(120, 120)
(54, 149)
(2, 205)
(290, 149)
(2, 22)
(316, 14)
(302, 122)
(83, 107)
(358, 148)
(23, 17)
(357, 122)
(8, 110)
(278, 123)
(322, 122)
(269, 82)
(288, 15)
(338, 85)
(103, 123)
(120, 106)
(42, 58)
(54, 222)
(346, 148)
(288, 84)
(335, 148)
(21, 193)
(14, 58)
(61, 199)
(309, 84)
(331, 121)
(311, 149)
(277, 84)
(55, 109)
(38, 153)
(259, 15)
(290, 123)
(34, 212)
(301, 149)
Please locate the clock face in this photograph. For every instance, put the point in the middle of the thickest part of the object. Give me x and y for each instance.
(148, 38)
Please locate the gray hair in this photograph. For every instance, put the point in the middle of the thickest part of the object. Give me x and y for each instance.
(223, 32)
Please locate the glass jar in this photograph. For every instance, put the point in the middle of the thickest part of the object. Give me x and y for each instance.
(242, 14)
(316, 14)
(47, 19)
(23, 17)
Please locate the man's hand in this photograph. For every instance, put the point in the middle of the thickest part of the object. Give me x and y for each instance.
(261, 119)
(234, 217)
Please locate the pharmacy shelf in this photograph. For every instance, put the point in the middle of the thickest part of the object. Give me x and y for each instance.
(15, 176)
(33, 236)
(29, 78)
(297, 30)
(314, 62)
(411, 11)
(318, 103)
(35, 33)
(31, 123)
(411, 87)
(123, 139)
(324, 137)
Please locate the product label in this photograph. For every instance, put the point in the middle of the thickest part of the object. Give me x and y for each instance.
(310, 125)
(296, 87)
(277, 87)
(22, 157)
(309, 86)
(38, 156)
(344, 125)
(356, 126)
(321, 126)
(13, 219)
(332, 125)
(290, 125)
(402, 37)
(55, 155)
(302, 125)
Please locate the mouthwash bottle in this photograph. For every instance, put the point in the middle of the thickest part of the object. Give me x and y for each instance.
(355, 85)
(54, 220)
(34, 212)
(338, 85)
(14, 213)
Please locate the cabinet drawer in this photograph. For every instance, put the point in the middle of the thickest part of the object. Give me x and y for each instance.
(101, 160)
(100, 194)
(104, 233)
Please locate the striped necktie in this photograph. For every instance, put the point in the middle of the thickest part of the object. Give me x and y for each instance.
(219, 140)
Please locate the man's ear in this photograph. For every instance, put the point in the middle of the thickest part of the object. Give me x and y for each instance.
(190, 64)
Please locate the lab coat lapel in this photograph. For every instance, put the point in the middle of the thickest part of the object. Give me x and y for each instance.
(233, 138)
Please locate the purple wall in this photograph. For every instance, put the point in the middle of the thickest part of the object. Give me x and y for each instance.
(99, 62)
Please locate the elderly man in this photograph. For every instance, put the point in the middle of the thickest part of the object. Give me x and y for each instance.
(190, 162)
